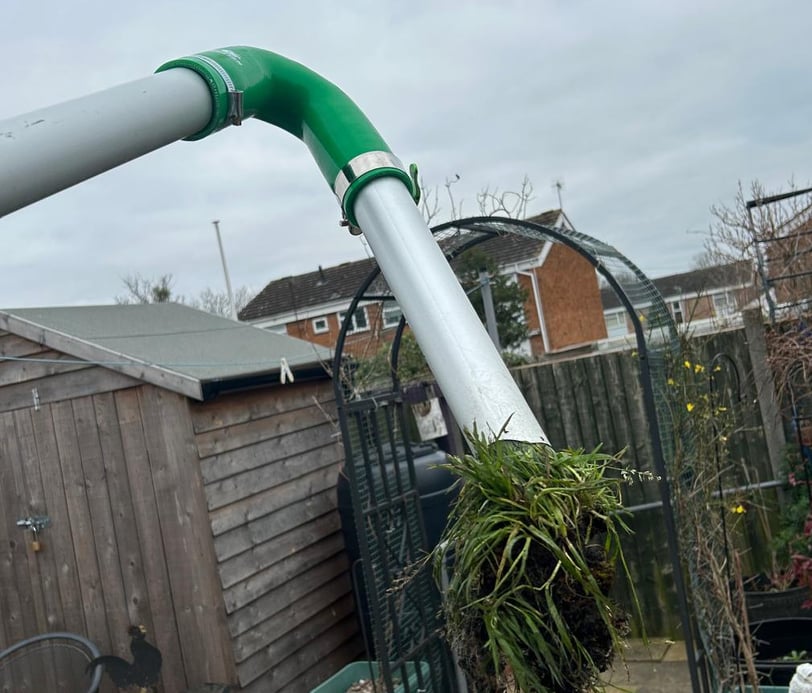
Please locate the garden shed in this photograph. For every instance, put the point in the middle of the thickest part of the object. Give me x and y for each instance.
(185, 467)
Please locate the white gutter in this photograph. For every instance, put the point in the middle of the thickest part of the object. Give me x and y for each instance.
(534, 282)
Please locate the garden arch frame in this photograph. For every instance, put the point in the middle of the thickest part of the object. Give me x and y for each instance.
(633, 289)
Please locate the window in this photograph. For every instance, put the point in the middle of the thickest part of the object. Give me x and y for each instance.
(724, 304)
(391, 315)
(359, 322)
(676, 311)
(616, 324)
(320, 325)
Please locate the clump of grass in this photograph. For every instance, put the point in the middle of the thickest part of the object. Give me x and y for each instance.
(533, 542)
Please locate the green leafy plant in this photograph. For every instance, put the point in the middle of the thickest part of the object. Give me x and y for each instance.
(534, 545)
(788, 528)
(799, 546)
(376, 371)
(795, 656)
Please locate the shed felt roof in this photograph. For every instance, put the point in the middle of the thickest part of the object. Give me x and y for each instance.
(340, 283)
(171, 345)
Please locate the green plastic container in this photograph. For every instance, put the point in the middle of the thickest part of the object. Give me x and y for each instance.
(352, 673)
(768, 689)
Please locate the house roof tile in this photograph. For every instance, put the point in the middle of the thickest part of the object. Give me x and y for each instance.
(695, 282)
(340, 283)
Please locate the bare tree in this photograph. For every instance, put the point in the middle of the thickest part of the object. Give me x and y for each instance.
(148, 290)
(456, 209)
(508, 203)
(704, 260)
(491, 202)
(731, 236)
(142, 289)
(430, 205)
(774, 233)
(217, 302)
(756, 217)
(429, 202)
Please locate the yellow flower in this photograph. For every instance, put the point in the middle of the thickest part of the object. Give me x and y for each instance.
(717, 368)
(738, 509)
(721, 409)
(670, 381)
(687, 364)
(690, 406)
(698, 368)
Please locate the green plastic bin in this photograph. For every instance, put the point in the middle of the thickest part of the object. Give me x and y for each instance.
(352, 673)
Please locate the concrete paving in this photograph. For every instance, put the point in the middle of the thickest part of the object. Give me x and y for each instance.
(659, 667)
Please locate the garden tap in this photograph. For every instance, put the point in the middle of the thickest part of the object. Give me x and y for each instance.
(35, 523)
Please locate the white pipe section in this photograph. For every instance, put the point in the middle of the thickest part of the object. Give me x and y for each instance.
(479, 388)
(46, 151)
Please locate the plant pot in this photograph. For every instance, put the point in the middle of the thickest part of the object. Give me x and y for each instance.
(774, 641)
(768, 604)
(352, 673)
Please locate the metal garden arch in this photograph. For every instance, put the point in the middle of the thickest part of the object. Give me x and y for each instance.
(372, 429)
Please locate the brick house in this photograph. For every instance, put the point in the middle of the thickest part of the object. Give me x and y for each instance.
(563, 309)
(708, 299)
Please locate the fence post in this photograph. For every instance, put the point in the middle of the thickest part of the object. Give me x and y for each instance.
(765, 389)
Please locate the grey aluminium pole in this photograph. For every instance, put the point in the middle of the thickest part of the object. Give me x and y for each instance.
(479, 387)
(48, 150)
(490, 311)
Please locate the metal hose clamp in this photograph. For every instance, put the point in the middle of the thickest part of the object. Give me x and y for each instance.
(358, 166)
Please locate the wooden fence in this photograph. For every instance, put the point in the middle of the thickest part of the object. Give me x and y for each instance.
(598, 401)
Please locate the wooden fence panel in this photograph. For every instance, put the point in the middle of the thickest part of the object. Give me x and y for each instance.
(598, 400)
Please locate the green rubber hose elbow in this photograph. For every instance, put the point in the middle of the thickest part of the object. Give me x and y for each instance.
(249, 82)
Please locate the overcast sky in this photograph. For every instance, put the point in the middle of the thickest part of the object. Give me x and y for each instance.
(648, 112)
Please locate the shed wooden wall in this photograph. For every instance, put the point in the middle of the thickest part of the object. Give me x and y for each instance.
(112, 462)
(270, 461)
(213, 524)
